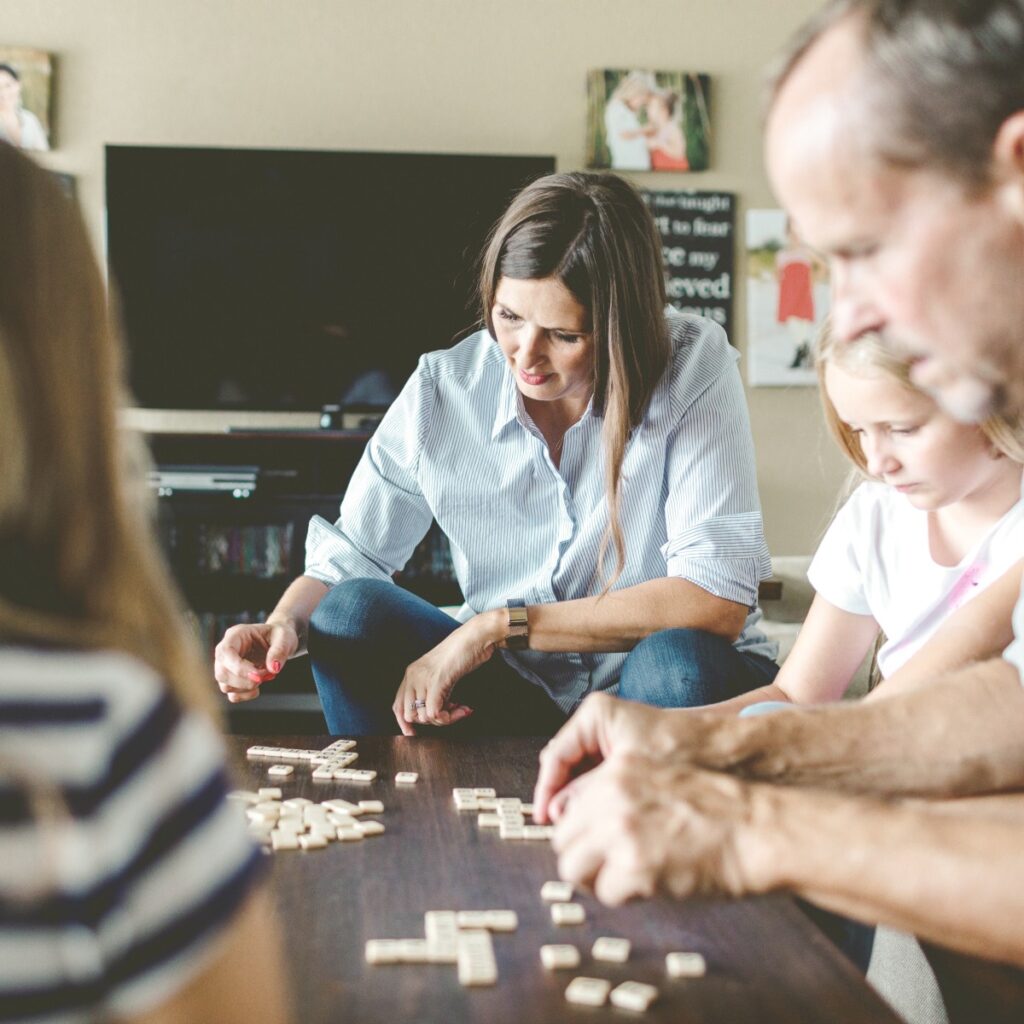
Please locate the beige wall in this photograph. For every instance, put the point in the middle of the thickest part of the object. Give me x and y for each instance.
(482, 76)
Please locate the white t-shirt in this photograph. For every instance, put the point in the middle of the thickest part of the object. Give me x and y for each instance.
(875, 560)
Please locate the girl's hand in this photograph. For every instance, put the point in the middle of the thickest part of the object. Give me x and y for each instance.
(430, 680)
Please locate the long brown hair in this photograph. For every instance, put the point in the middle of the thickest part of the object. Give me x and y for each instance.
(594, 234)
(79, 566)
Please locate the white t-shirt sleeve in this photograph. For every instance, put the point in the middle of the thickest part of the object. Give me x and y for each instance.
(838, 568)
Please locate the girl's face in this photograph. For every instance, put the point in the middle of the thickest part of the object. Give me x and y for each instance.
(545, 335)
(909, 443)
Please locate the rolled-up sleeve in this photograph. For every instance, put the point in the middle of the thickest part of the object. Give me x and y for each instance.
(713, 514)
(384, 514)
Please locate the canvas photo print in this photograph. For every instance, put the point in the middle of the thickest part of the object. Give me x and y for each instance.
(25, 78)
(648, 120)
(787, 301)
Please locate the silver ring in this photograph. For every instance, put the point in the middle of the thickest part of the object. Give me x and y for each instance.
(419, 703)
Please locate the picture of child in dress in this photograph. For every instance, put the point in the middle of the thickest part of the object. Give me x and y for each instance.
(794, 270)
(787, 301)
(24, 98)
(648, 120)
(664, 132)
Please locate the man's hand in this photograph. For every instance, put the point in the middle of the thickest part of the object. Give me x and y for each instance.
(636, 826)
(601, 727)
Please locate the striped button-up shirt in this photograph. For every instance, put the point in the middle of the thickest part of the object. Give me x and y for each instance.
(458, 446)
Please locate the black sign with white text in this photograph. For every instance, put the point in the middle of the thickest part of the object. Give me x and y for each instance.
(696, 231)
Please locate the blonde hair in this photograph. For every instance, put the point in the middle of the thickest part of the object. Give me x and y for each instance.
(81, 565)
(870, 355)
(635, 84)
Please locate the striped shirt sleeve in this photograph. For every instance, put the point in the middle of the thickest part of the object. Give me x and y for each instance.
(713, 513)
(122, 861)
(374, 546)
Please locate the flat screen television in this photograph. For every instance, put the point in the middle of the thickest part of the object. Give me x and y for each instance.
(287, 280)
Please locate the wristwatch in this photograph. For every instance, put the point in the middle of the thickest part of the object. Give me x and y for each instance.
(518, 638)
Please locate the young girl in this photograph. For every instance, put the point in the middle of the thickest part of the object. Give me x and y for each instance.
(665, 135)
(936, 520)
(128, 884)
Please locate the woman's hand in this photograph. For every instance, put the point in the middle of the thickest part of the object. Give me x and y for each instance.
(431, 679)
(250, 654)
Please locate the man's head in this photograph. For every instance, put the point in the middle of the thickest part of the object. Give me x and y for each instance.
(895, 139)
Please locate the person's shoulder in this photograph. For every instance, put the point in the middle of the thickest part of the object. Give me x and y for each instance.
(56, 673)
(700, 355)
(474, 356)
(74, 708)
(690, 332)
(875, 503)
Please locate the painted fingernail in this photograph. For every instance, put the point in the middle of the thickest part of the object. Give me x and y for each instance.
(276, 666)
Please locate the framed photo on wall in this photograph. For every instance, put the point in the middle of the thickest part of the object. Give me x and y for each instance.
(787, 301)
(648, 120)
(25, 79)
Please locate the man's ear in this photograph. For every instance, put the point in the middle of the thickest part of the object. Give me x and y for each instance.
(1008, 162)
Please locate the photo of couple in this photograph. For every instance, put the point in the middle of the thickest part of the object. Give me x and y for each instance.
(648, 120)
(25, 98)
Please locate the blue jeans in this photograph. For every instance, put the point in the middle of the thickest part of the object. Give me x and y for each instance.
(688, 668)
(365, 633)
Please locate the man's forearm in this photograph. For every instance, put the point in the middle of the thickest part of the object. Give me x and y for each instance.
(953, 879)
(959, 736)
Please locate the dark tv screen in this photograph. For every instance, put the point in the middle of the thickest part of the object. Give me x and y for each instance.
(288, 280)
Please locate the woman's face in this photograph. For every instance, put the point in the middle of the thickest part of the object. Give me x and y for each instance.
(10, 91)
(546, 338)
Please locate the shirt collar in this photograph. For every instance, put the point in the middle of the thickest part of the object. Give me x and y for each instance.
(509, 404)
(511, 407)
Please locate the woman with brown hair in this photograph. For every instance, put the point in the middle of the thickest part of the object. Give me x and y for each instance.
(589, 458)
(128, 883)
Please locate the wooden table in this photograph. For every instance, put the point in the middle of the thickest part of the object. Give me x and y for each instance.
(766, 962)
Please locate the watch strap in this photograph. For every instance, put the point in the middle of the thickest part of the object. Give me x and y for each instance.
(518, 637)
